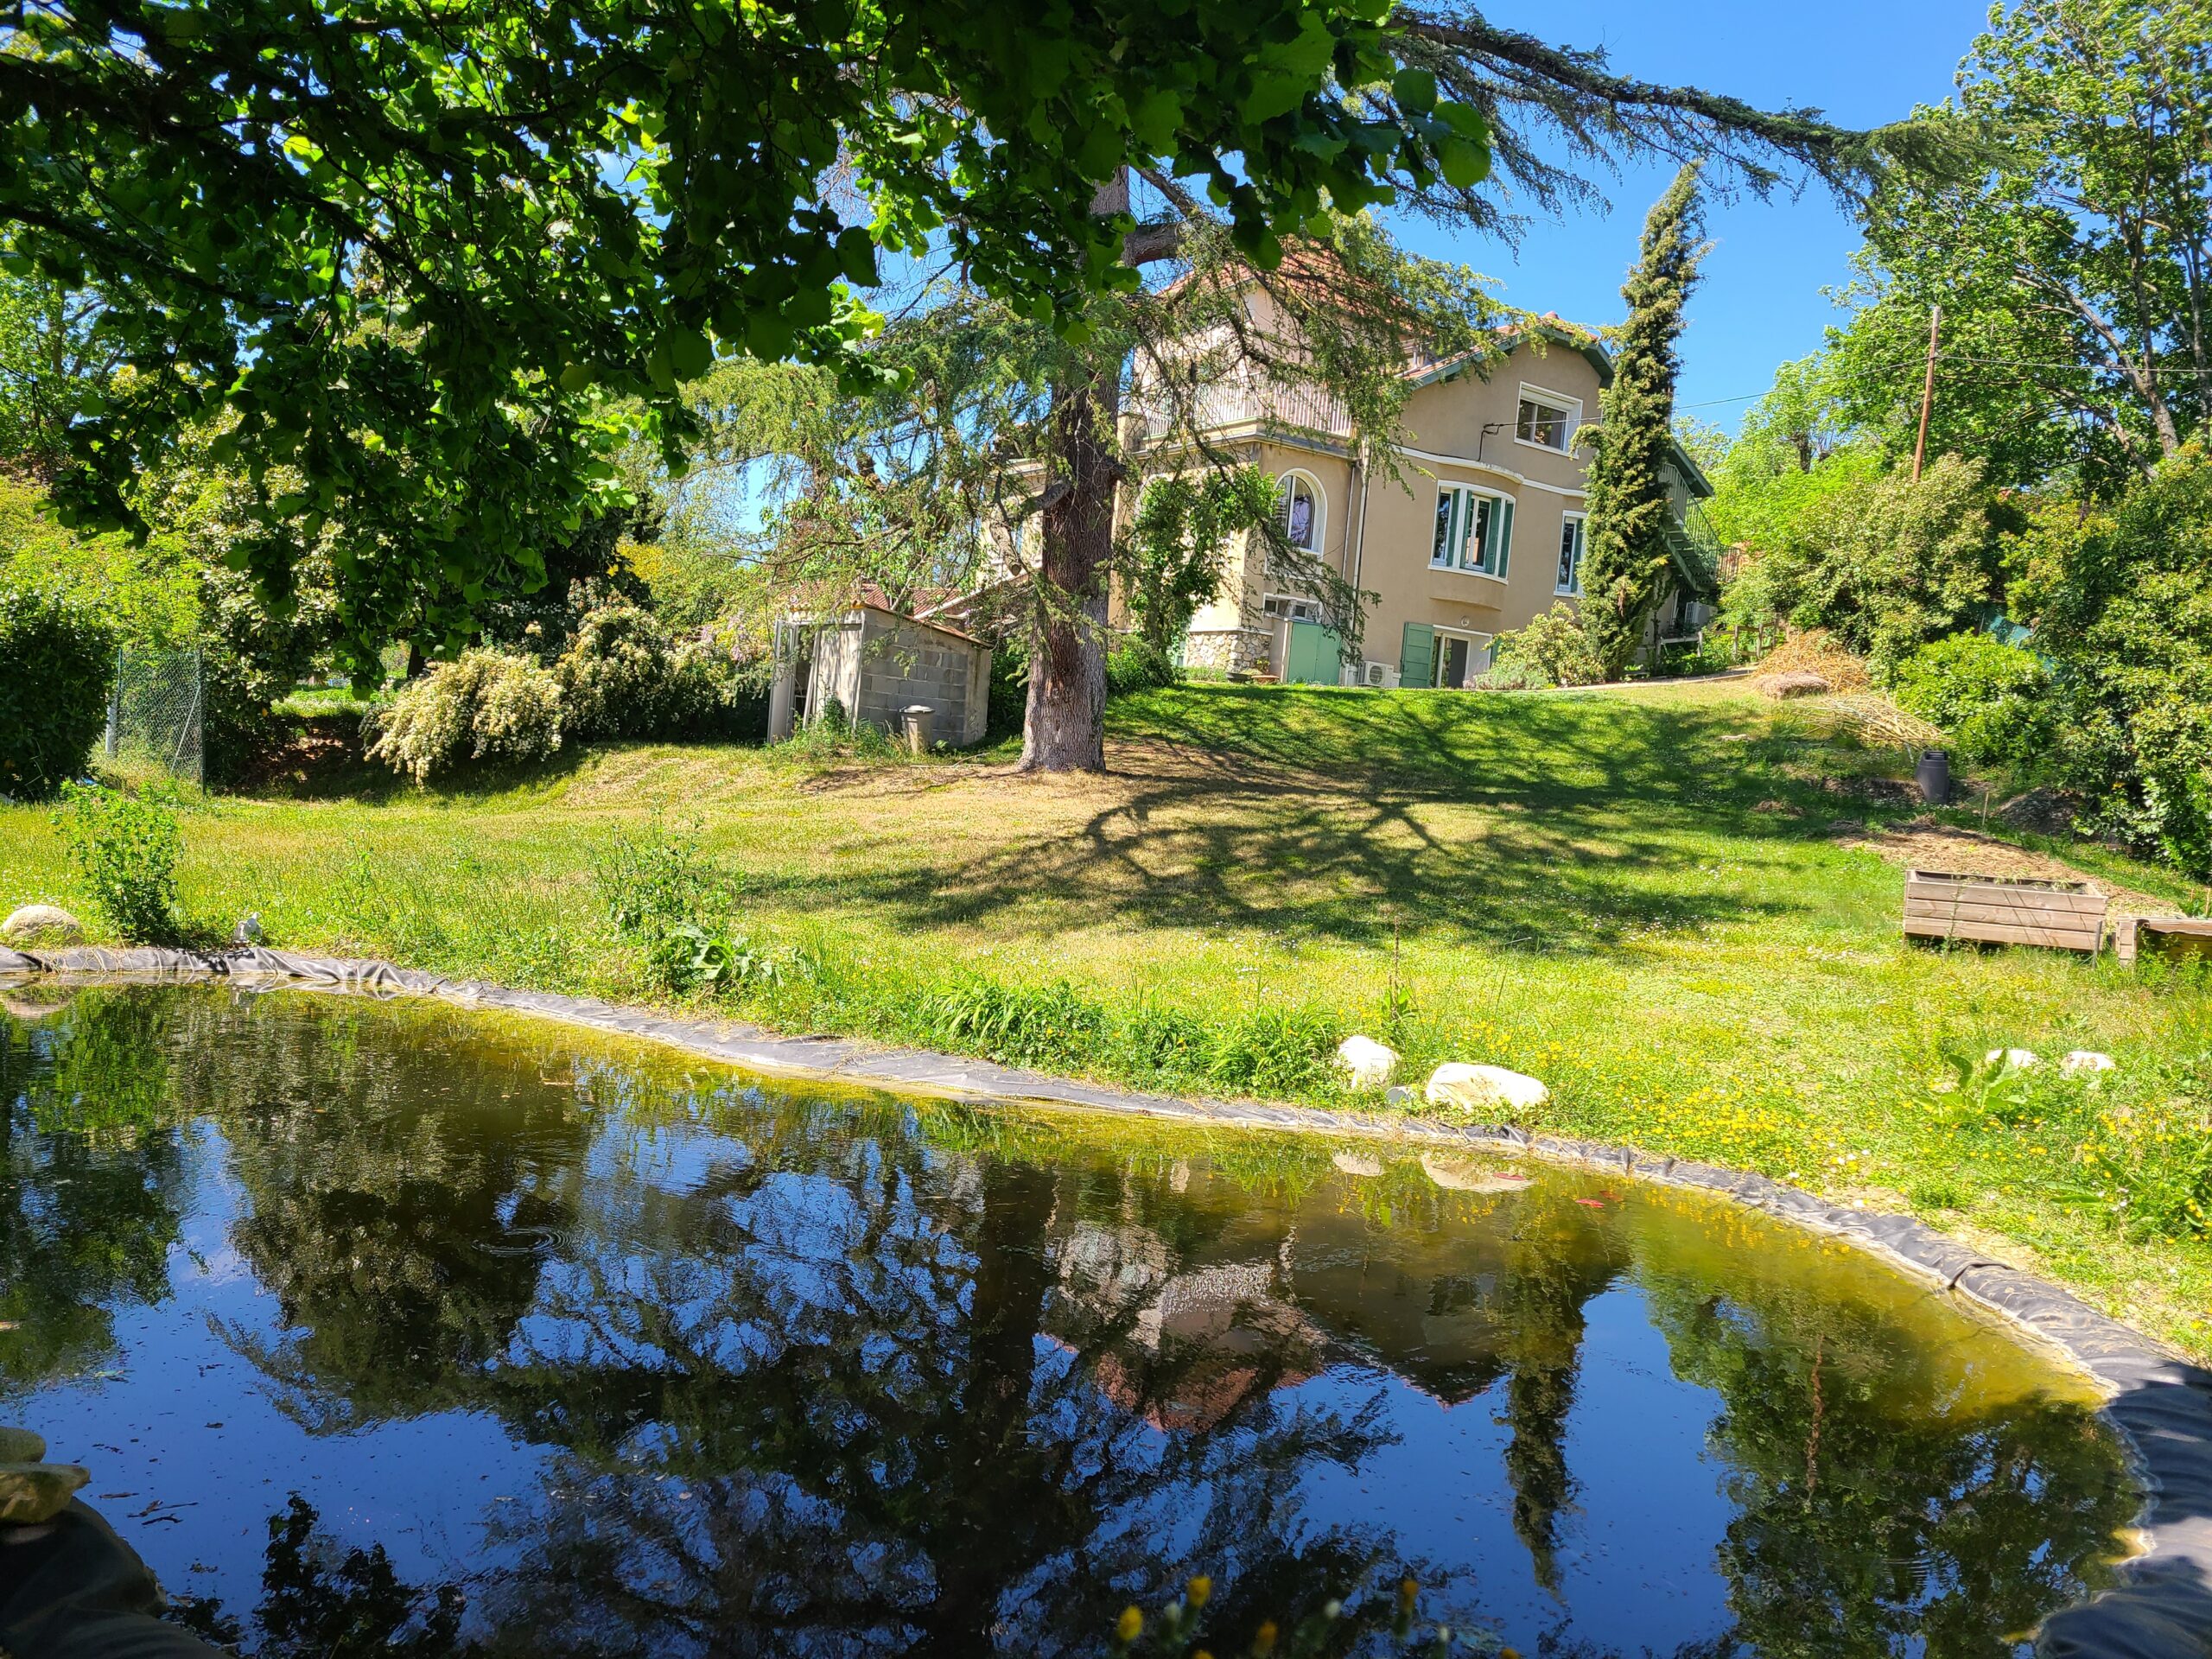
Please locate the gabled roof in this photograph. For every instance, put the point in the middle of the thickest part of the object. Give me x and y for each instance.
(1549, 326)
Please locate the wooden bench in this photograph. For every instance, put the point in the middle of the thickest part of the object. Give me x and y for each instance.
(2172, 936)
(2004, 910)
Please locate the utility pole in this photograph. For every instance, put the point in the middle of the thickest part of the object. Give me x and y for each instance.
(1927, 392)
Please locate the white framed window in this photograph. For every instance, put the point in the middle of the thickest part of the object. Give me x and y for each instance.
(1474, 531)
(1546, 419)
(1305, 511)
(1570, 554)
(1298, 609)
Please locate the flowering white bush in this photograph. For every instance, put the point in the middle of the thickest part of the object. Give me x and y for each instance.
(622, 676)
(486, 705)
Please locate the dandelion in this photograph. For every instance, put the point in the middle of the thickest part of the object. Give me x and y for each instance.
(1198, 1591)
(1263, 1639)
(1129, 1626)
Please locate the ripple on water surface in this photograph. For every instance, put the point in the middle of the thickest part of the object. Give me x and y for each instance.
(517, 1340)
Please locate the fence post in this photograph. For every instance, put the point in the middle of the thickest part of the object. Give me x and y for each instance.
(115, 707)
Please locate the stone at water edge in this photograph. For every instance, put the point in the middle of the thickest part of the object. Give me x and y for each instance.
(2085, 1059)
(34, 1493)
(1358, 1163)
(2017, 1059)
(30, 923)
(1370, 1063)
(1466, 1175)
(21, 1445)
(1477, 1087)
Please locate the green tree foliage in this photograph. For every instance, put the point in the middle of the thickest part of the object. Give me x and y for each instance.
(2121, 601)
(1171, 557)
(410, 253)
(53, 358)
(2073, 268)
(57, 662)
(1882, 562)
(1624, 571)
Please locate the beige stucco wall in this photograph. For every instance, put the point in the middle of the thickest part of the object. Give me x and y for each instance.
(1378, 531)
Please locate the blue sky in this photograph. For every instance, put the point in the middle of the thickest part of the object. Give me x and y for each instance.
(1761, 303)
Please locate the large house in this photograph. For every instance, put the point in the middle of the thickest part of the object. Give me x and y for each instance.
(1481, 531)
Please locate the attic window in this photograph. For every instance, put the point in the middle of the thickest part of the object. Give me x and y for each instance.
(1546, 421)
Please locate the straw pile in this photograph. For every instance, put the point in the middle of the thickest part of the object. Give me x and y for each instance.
(1809, 665)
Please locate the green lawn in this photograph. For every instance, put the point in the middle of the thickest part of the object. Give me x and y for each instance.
(1639, 897)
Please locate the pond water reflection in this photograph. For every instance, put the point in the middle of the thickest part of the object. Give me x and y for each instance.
(387, 1321)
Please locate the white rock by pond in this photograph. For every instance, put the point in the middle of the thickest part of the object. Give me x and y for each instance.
(1370, 1063)
(2085, 1059)
(1358, 1163)
(2018, 1059)
(29, 924)
(1466, 1175)
(1476, 1087)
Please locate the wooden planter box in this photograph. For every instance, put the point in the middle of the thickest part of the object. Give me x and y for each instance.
(2060, 915)
(2172, 936)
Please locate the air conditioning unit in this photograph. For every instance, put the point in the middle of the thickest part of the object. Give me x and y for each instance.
(1379, 674)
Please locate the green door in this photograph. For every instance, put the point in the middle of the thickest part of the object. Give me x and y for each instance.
(1315, 656)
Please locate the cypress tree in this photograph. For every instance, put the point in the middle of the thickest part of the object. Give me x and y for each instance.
(1625, 561)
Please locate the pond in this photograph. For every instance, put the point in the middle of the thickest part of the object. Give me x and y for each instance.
(389, 1327)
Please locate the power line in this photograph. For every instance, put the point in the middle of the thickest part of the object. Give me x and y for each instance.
(1883, 371)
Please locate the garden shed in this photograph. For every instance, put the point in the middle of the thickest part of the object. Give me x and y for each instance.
(875, 664)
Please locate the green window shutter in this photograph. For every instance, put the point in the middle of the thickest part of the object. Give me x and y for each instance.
(1417, 655)
(1498, 545)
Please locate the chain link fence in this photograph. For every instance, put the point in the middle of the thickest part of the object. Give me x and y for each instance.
(155, 713)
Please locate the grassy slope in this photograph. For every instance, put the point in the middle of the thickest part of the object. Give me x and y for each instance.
(1596, 888)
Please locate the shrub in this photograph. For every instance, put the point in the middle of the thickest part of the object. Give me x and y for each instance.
(1555, 645)
(2122, 606)
(486, 705)
(617, 676)
(57, 662)
(623, 677)
(1883, 563)
(1511, 677)
(125, 850)
(1136, 664)
(1992, 699)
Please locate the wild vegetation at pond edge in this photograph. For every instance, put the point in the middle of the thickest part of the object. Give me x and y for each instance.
(1643, 897)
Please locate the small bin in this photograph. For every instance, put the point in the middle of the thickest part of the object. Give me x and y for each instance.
(915, 719)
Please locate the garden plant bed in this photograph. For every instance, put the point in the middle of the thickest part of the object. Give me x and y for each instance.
(1998, 910)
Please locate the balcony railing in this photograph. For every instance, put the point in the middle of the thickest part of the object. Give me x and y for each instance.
(1218, 408)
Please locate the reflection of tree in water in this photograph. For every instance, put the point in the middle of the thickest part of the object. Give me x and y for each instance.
(322, 1600)
(1556, 1261)
(91, 1176)
(401, 1195)
(867, 1433)
(1879, 1511)
(848, 1380)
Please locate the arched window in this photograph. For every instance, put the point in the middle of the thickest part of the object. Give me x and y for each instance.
(1305, 513)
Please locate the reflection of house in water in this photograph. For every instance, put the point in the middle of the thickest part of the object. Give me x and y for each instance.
(1481, 1296)
(1194, 1344)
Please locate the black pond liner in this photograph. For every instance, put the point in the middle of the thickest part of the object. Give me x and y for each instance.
(2160, 1403)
